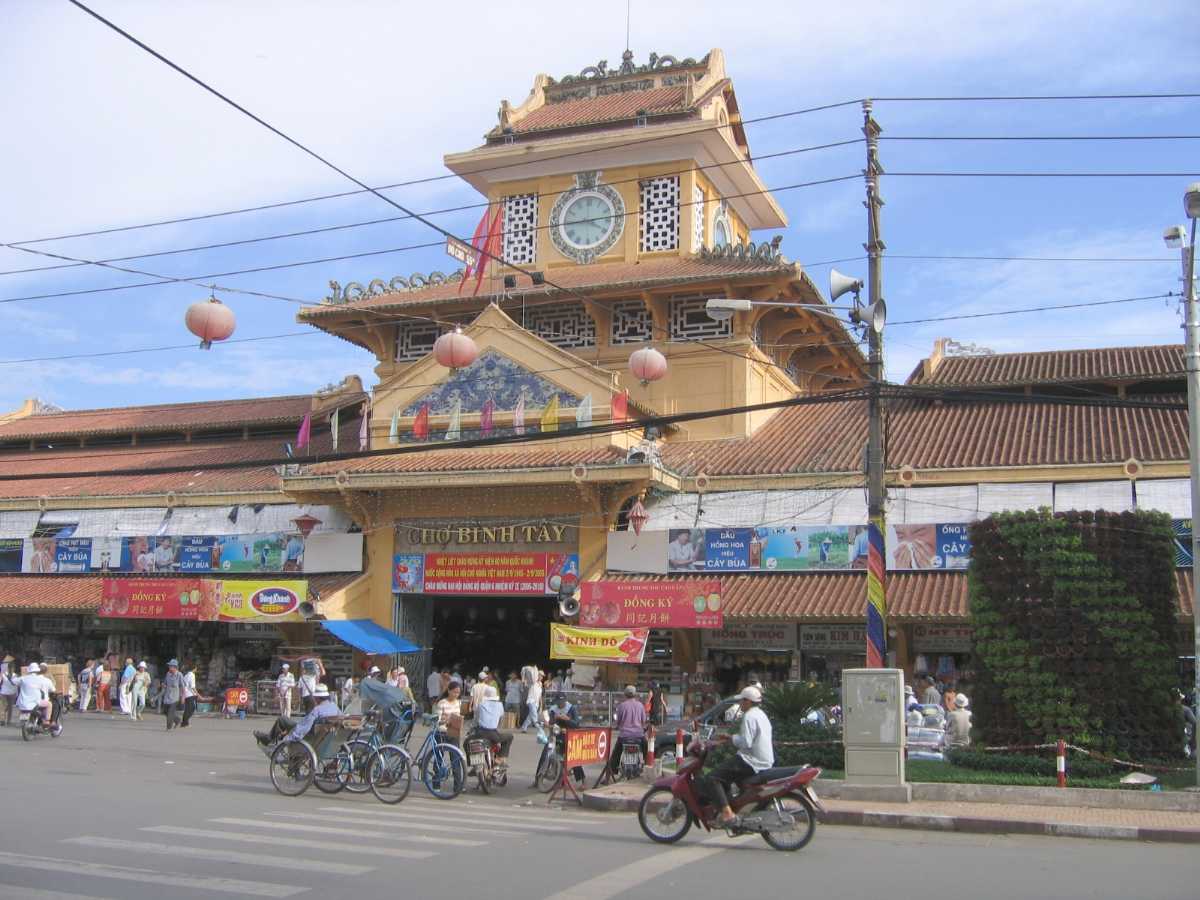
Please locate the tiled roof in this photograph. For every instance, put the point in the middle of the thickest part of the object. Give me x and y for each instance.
(594, 277)
(81, 593)
(198, 480)
(605, 108)
(1058, 366)
(828, 596)
(930, 434)
(474, 460)
(166, 417)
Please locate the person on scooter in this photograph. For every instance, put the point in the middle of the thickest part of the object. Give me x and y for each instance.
(487, 719)
(754, 753)
(631, 726)
(34, 691)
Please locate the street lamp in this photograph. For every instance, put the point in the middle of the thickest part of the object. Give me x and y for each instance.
(1174, 237)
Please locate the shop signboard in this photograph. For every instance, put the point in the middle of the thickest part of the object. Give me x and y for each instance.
(833, 638)
(586, 746)
(536, 574)
(942, 638)
(658, 604)
(758, 636)
(623, 645)
(202, 599)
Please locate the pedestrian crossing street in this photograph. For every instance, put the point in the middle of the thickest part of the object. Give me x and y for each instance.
(287, 849)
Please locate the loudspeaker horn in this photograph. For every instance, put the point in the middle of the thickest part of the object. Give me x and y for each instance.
(839, 284)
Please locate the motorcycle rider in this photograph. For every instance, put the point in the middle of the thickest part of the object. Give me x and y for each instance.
(487, 720)
(34, 691)
(754, 753)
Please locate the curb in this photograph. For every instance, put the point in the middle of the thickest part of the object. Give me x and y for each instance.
(963, 824)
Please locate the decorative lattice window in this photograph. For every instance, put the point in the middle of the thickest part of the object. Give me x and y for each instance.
(566, 325)
(660, 214)
(415, 339)
(690, 321)
(520, 229)
(697, 218)
(631, 322)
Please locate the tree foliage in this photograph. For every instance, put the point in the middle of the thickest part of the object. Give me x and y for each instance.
(1074, 617)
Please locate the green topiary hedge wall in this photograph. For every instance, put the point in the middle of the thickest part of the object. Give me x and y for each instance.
(1074, 618)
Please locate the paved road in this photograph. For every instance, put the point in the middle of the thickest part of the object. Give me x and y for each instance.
(119, 810)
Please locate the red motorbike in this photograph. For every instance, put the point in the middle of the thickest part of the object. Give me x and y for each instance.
(779, 804)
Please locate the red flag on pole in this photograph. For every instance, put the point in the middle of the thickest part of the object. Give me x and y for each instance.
(620, 406)
(304, 435)
(491, 249)
(421, 423)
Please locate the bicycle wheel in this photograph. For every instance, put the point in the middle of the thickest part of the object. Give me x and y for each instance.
(444, 771)
(293, 766)
(360, 757)
(389, 774)
(334, 774)
(549, 774)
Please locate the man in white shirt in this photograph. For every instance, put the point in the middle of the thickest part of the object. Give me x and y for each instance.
(754, 753)
(283, 689)
(34, 690)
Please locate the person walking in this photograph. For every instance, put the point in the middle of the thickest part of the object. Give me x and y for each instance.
(103, 681)
(533, 705)
(172, 693)
(8, 687)
(141, 687)
(190, 694)
(86, 674)
(283, 690)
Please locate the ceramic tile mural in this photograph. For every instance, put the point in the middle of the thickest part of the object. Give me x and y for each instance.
(493, 375)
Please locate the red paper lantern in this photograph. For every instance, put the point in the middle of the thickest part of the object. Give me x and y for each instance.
(638, 516)
(210, 320)
(455, 350)
(647, 365)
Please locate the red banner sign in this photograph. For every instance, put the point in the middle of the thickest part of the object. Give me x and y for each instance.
(657, 604)
(587, 745)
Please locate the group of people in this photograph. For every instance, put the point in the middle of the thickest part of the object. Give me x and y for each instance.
(947, 697)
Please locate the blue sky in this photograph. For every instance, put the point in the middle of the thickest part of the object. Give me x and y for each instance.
(100, 135)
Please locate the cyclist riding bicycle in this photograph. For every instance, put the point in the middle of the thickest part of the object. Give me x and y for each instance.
(487, 720)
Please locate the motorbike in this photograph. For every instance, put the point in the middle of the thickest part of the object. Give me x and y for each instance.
(481, 756)
(778, 804)
(33, 725)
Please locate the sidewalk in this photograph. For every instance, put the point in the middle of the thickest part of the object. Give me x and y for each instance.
(979, 818)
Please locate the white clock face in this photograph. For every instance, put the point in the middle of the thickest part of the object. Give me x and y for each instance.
(587, 220)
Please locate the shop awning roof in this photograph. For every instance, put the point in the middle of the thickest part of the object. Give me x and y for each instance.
(368, 637)
(830, 596)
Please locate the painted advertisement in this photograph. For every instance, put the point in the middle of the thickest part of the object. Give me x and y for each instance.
(202, 599)
(623, 645)
(536, 574)
(656, 604)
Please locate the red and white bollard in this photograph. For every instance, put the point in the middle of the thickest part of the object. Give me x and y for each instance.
(1062, 764)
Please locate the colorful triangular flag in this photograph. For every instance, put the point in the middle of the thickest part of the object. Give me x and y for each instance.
(364, 429)
(486, 417)
(421, 423)
(583, 412)
(333, 427)
(454, 429)
(394, 431)
(620, 406)
(519, 416)
(304, 435)
(550, 415)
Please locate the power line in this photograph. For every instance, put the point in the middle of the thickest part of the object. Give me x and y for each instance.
(1031, 309)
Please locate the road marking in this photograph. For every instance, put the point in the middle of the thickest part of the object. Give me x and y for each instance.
(424, 824)
(244, 837)
(149, 876)
(230, 856)
(494, 823)
(626, 878)
(289, 826)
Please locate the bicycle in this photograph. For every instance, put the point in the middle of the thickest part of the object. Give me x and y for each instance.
(443, 766)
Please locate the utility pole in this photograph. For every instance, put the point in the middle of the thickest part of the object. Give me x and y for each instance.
(876, 463)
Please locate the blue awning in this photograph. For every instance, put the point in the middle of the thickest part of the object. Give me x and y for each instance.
(369, 637)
